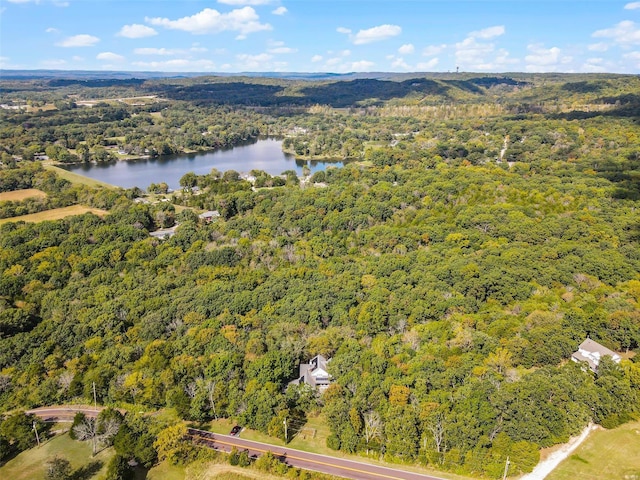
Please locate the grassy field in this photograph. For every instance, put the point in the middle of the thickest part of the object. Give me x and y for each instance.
(31, 464)
(605, 454)
(19, 195)
(55, 214)
(75, 178)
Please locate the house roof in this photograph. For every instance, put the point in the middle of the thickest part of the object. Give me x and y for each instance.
(210, 214)
(594, 347)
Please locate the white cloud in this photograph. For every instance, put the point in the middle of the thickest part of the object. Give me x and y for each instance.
(178, 65)
(432, 50)
(475, 53)
(376, 34)
(399, 63)
(245, 2)
(632, 6)
(60, 4)
(77, 58)
(244, 20)
(624, 33)
(316, 58)
(633, 57)
(489, 32)
(345, 53)
(19, 1)
(593, 65)
(426, 66)
(53, 63)
(362, 66)
(545, 59)
(279, 50)
(344, 30)
(156, 51)
(82, 40)
(598, 47)
(406, 49)
(110, 57)
(136, 31)
(279, 11)
(52, 30)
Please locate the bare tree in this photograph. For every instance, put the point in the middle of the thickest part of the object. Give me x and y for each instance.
(101, 433)
(372, 426)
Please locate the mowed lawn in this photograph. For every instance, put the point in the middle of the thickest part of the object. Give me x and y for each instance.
(30, 464)
(19, 195)
(605, 454)
(55, 214)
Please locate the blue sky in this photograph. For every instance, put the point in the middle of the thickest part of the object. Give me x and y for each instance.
(321, 35)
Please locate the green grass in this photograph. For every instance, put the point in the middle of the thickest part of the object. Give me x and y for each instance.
(77, 179)
(605, 454)
(55, 214)
(31, 463)
(164, 471)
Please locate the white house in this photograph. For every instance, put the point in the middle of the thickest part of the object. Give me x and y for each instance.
(591, 352)
(314, 373)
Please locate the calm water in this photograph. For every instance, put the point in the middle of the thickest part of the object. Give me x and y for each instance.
(264, 154)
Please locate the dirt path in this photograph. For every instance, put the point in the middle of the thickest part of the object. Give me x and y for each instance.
(546, 466)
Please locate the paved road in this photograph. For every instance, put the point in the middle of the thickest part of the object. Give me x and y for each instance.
(309, 461)
(296, 458)
(63, 413)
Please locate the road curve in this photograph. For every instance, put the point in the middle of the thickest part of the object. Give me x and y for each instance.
(64, 413)
(308, 461)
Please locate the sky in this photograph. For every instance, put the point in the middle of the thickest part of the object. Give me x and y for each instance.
(321, 35)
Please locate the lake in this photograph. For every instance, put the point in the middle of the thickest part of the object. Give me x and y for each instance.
(263, 154)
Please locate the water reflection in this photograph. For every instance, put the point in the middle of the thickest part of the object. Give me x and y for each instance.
(262, 154)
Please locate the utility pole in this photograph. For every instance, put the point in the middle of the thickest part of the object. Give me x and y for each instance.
(95, 402)
(286, 437)
(506, 469)
(35, 429)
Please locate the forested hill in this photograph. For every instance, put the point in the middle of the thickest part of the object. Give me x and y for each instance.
(449, 272)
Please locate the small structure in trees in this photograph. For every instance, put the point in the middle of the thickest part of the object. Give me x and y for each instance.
(210, 216)
(591, 352)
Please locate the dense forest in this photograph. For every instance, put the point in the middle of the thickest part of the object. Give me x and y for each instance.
(487, 226)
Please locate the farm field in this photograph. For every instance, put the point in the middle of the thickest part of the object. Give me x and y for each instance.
(606, 454)
(55, 214)
(19, 195)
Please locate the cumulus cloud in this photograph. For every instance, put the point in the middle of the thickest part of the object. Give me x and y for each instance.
(156, 51)
(632, 6)
(316, 58)
(406, 49)
(82, 40)
(598, 47)
(488, 33)
(52, 30)
(362, 66)
(426, 66)
(542, 59)
(259, 62)
(279, 11)
(136, 31)
(344, 30)
(278, 50)
(593, 65)
(244, 21)
(476, 53)
(624, 33)
(432, 50)
(376, 34)
(110, 57)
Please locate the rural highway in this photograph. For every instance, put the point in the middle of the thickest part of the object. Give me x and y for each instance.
(308, 461)
(296, 458)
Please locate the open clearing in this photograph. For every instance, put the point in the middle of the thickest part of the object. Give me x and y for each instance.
(19, 195)
(31, 463)
(605, 454)
(55, 214)
(75, 178)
